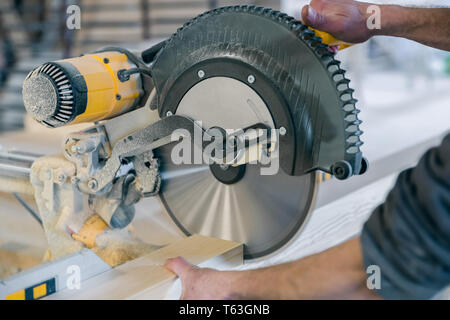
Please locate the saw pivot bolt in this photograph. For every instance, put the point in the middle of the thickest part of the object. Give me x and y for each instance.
(282, 131)
(201, 74)
(342, 170)
(169, 113)
(251, 79)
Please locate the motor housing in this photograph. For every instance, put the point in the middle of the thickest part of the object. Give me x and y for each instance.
(82, 89)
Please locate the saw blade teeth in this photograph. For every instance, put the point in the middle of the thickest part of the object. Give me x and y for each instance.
(350, 118)
(343, 81)
(308, 36)
(297, 26)
(349, 107)
(352, 139)
(259, 9)
(338, 72)
(334, 62)
(281, 16)
(351, 104)
(322, 49)
(354, 110)
(351, 128)
(352, 150)
(346, 95)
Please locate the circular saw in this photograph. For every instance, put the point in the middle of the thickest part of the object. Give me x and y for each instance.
(265, 94)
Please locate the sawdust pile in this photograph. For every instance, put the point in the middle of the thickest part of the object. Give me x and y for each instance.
(7, 270)
(13, 262)
(113, 246)
(56, 215)
(116, 247)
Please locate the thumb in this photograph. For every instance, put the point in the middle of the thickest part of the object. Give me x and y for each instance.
(312, 18)
(179, 266)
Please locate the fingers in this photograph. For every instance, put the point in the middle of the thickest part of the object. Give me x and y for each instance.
(312, 18)
(179, 266)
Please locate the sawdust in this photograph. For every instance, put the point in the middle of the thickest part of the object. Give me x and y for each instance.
(14, 262)
(7, 270)
(56, 214)
(116, 247)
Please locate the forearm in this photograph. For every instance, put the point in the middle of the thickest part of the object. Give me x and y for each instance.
(337, 273)
(347, 20)
(429, 26)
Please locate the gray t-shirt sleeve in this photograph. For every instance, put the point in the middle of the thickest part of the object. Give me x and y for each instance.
(408, 236)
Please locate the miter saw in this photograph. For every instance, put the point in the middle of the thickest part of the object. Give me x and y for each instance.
(228, 74)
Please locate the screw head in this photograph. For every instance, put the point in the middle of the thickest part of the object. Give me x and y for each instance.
(74, 180)
(92, 184)
(201, 74)
(283, 131)
(118, 97)
(169, 113)
(251, 79)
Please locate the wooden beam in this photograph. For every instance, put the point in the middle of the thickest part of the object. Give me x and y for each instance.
(147, 278)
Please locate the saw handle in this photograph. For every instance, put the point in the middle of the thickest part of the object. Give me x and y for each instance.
(149, 55)
(328, 39)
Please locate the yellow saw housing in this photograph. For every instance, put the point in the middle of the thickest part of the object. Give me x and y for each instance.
(82, 89)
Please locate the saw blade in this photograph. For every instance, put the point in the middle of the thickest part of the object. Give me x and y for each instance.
(237, 66)
(262, 211)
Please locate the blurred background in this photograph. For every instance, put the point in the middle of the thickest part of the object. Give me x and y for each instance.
(34, 31)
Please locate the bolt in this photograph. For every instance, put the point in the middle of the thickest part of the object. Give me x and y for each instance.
(282, 131)
(118, 97)
(201, 74)
(106, 60)
(75, 180)
(169, 113)
(92, 184)
(77, 149)
(251, 78)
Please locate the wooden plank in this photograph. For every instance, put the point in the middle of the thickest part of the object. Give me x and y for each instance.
(147, 278)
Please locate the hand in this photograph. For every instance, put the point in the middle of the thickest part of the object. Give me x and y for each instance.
(202, 283)
(346, 20)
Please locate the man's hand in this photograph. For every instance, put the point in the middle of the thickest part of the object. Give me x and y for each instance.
(346, 20)
(203, 284)
(336, 273)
